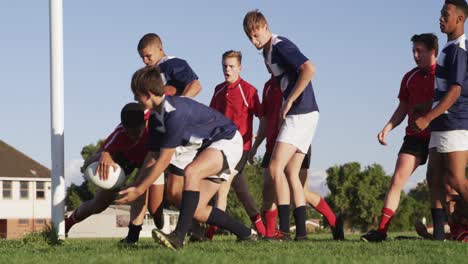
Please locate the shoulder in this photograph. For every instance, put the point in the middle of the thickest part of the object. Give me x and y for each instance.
(283, 42)
(411, 74)
(246, 86)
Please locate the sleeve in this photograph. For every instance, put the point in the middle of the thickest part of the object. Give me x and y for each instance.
(255, 105)
(403, 94)
(456, 64)
(181, 74)
(115, 142)
(290, 54)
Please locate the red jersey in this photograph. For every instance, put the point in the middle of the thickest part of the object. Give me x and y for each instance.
(239, 102)
(417, 90)
(119, 142)
(272, 102)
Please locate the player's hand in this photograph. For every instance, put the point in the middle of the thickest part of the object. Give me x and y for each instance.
(420, 124)
(381, 137)
(251, 156)
(105, 163)
(128, 195)
(285, 109)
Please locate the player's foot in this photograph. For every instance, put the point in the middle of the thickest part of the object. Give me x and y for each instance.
(197, 238)
(68, 224)
(127, 242)
(300, 238)
(338, 229)
(251, 237)
(168, 240)
(421, 230)
(459, 232)
(210, 232)
(374, 236)
(278, 237)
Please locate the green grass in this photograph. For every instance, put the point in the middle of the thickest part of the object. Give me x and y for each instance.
(319, 249)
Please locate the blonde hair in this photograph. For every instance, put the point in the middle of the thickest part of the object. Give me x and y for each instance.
(253, 20)
(233, 54)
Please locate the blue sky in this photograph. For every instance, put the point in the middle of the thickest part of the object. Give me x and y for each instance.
(361, 50)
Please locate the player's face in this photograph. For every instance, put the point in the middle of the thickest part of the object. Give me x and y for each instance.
(144, 100)
(135, 133)
(231, 69)
(448, 18)
(422, 55)
(260, 36)
(151, 55)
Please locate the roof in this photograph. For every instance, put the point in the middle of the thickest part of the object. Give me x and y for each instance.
(14, 164)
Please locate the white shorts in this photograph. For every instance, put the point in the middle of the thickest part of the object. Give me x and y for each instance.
(160, 180)
(231, 148)
(449, 141)
(299, 130)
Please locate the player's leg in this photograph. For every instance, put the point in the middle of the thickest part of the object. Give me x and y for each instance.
(156, 202)
(456, 175)
(101, 200)
(292, 174)
(241, 188)
(435, 180)
(282, 153)
(270, 212)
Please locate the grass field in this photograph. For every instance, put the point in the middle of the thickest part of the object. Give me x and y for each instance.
(319, 249)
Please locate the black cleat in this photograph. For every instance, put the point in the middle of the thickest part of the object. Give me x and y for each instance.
(194, 238)
(127, 242)
(374, 236)
(300, 238)
(338, 229)
(251, 237)
(168, 240)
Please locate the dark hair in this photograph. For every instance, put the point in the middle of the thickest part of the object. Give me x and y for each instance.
(429, 40)
(149, 39)
(132, 115)
(147, 80)
(460, 4)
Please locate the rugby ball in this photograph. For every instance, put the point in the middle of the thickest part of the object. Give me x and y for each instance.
(115, 180)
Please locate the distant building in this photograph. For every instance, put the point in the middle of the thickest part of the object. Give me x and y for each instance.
(113, 222)
(24, 193)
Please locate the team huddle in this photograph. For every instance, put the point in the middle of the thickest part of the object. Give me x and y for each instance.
(189, 155)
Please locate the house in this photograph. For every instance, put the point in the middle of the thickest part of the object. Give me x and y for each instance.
(113, 223)
(25, 196)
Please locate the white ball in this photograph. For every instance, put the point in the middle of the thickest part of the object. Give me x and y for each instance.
(115, 180)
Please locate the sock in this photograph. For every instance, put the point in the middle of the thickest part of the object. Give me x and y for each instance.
(283, 212)
(210, 232)
(158, 217)
(438, 220)
(133, 233)
(387, 215)
(270, 222)
(299, 219)
(258, 223)
(223, 220)
(324, 209)
(187, 210)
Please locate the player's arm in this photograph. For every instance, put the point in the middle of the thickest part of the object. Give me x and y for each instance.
(151, 175)
(306, 72)
(258, 139)
(447, 101)
(398, 116)
(192, 89)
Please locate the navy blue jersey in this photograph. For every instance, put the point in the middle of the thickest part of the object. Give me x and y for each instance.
(284, 60)
(176, 72)
(452, 70)
(185, 123)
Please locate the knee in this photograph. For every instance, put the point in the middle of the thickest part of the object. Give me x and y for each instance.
(191, 174)
(275, 169)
